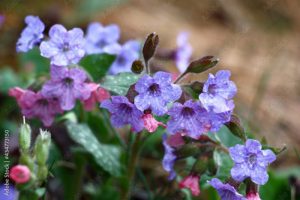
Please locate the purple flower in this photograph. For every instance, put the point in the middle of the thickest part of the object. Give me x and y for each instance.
(187, 118)
(64, 47)
(217, 92)
(126, 55)
(100, 39)
(156, 92)
(214, 121)
(169, 158)
(67, 85)
(123, 112)
(251, 161)
(31, 35)
(226, 191)
(35, 105)
(183, 52)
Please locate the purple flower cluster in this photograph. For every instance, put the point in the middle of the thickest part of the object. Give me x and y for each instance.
(64, 47)
(251, 161)
(31, 35)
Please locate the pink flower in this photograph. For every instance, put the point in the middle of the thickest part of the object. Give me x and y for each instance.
(175, 140)
(253, 196)
(20, 174)
(191, 182)
(34, 105)
(98, 95)
(150, 123)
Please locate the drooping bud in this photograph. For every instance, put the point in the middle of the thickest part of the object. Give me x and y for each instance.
(251, 191)
(187, 150)
(201, 165)
(236, 128)
(212, 167)
(150, 123)
(150, 46)
(202, 64)
(20, 174)
(42, 145)
(25, 136)
(191, 182)
(137, 67)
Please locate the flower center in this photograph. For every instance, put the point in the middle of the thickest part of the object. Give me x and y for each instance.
(66, 47)
(121, 60)
(154, 89)
(187, 112)
(125, 108)
(252, 159)
(101, 43)
(68, 81)
(43, 102)
(212, 88)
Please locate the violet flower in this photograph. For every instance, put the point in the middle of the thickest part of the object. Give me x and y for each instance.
(169, 158)
(126, 55)
(251, 161)
(123, 112)
(64, 47)
(226, 191)
(102, 39)
(31, 35)
(67, 85)
(156, 92)
(183, 52)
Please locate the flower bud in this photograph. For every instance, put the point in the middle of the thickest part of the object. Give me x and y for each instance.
(42, 172)
(25, 137)
(187, 150)
(236, 128)
(150, 46)
(150, 123)
(202, 64)
(251, 191)
(191, 182)
(137, 67)
(42, 145)
(20, 174)
(201, 165)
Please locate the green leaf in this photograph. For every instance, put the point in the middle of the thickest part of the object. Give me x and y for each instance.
(8, 79)
(224, 163)
(106, 156)
(97, 65)
(225, 137)
(119, 83)
(41, 65)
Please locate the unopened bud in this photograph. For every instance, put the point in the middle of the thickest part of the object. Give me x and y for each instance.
(201, 165)
(202, 64)
(137, 67)
(42, 145)
(150, 46)
(187, 150)
(236, 128)
(42, 172)
(25, 137)
(212, 167)
(251, 191)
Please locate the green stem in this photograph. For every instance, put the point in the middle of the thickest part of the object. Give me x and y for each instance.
(134, 152)
(180, 77)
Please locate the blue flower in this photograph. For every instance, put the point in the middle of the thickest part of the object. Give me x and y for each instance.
(183, 52)
(64, 47)
(31, 35)
(226, 191)
(169, 158)
(67, 85)
(156, 92)
(189, 119)
(126, 55)
(218, 92)
(123, 112)
(100, 39)
(251, 161)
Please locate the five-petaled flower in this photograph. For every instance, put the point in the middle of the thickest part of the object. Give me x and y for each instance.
(64, 47)
(226, 191)
(156, 92)
(67, 85)
(124, 112)
(102, 39)
(251, 161)
(31, 35)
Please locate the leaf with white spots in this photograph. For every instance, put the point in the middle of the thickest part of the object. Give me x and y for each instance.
(119, 83)
(106, 156)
